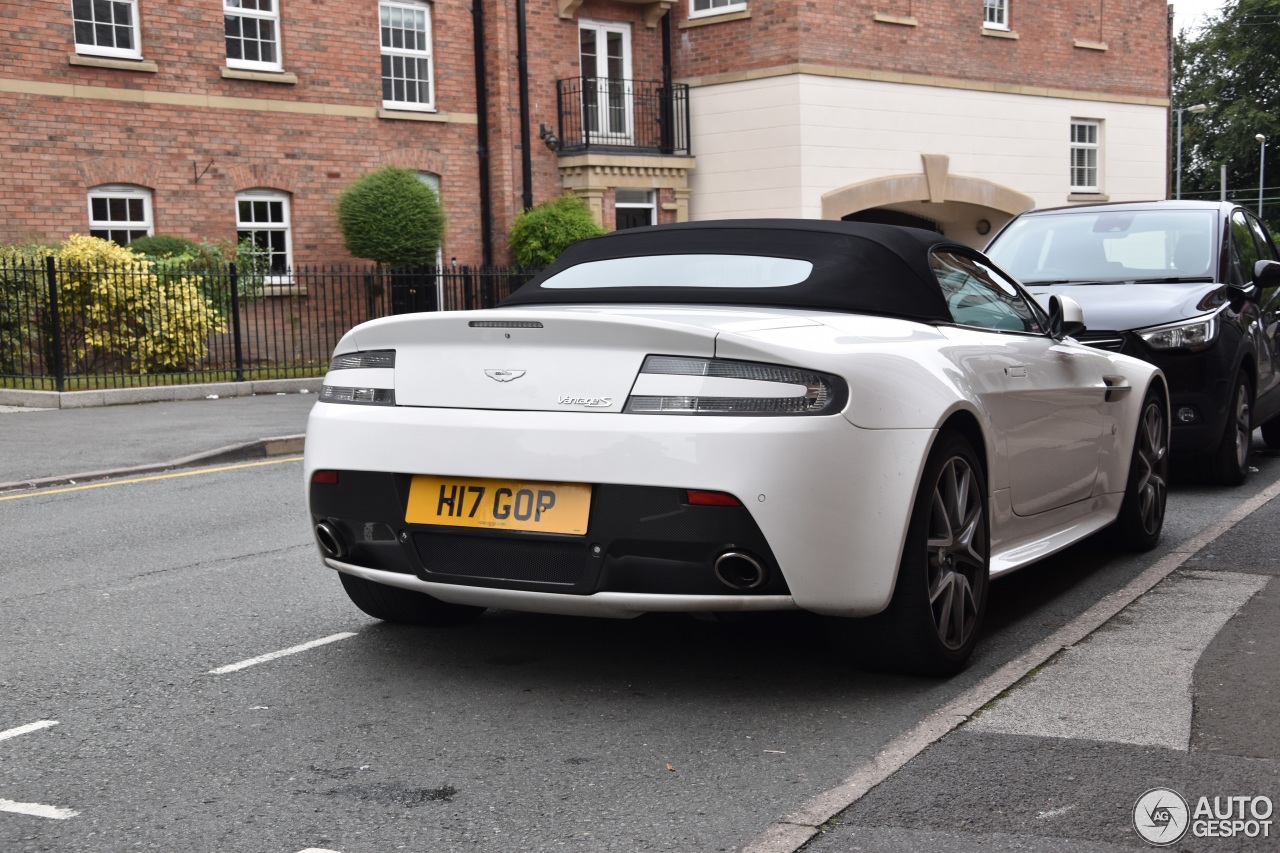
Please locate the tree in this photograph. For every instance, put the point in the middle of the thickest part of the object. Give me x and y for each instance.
(540, 234)
(391, 217)
(1230, 67)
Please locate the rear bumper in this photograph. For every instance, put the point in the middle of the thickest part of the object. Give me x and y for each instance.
(829, 500)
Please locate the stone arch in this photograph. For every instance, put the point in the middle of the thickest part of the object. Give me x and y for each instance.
(119, 170)
(417, 159)
(936, 194)
(263, 176)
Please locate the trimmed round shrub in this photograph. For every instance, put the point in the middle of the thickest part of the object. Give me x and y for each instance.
(391, 217)
(163, 246)
(540, 234)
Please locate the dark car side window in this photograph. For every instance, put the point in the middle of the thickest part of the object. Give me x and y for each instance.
(978, 295)
(1244, 251)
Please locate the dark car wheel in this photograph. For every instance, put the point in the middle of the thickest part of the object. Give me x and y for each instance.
(393, 604)
(933, 620)
(1142, 514)
(1228, 465)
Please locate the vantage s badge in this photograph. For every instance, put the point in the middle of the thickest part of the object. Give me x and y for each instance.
(591, 402)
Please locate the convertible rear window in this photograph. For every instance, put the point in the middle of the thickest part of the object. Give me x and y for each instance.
(809, 264)
(683, 271)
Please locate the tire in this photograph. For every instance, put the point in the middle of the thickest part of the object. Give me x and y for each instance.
(1141, 517)
(1271, 433)
(1228, 464)
(392, 604)
(932, 622)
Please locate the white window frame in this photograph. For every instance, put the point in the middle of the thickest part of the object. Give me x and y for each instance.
(230, 9)
(995, 14)
(111, 192)
(286, 227)
(93, 49)
(1091, 151)
(651, 205)
(607, 87)
(705, 8)
(385, 6)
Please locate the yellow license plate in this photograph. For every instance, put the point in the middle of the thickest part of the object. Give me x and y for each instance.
(499, 504)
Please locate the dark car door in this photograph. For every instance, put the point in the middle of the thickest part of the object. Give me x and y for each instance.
(1251, 242)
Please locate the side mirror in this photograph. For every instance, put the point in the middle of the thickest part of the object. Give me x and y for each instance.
(1266, 273)
(1066, 319)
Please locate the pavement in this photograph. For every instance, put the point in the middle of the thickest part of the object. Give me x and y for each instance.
(1168, 695)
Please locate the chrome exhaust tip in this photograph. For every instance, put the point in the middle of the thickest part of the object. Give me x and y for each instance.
(330, 541)
(741, 571)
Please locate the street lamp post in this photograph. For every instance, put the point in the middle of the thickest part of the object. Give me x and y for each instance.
(1196, 108)
(1262, 169)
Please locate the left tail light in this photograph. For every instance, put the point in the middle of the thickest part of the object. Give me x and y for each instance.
(366, 378)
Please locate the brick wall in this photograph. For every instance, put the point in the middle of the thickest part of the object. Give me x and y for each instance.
(946, 41)
(56, 144)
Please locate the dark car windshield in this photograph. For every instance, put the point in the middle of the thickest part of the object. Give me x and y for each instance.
(1108, 246)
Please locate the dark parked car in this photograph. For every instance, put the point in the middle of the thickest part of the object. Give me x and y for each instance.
(1193, 287)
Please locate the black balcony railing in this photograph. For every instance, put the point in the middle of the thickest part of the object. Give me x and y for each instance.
(639, 115)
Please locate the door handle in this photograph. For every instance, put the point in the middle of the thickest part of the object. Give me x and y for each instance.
(1016, 372)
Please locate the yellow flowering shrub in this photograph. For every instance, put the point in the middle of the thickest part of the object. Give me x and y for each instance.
(117, 311)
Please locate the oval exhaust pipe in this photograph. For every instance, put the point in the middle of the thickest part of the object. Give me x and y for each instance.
(330, 541)
(741, 571)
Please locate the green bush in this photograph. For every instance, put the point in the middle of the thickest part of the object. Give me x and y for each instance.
(391, 217)
(117, 312)
(160, 246)
(540, 234)
(23, 296)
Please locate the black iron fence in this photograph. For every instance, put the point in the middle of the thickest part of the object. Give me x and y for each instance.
(67, 328)
(597, 112)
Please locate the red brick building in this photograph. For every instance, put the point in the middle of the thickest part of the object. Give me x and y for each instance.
(212, 118)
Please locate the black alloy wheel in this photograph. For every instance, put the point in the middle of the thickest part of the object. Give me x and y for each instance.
(933, 621)
(1228, 465)
(1141, 517)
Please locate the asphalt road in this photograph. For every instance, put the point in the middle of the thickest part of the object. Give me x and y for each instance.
(518, 732)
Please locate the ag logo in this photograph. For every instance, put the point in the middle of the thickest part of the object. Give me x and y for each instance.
(1161, 817)
(504, 375)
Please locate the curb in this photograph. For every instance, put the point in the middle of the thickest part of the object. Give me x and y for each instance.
(263, 448)
(790, 833)
(154, 394)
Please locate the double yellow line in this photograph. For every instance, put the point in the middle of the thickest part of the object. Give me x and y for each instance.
(107, 483)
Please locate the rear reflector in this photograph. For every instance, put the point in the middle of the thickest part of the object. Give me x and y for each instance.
(696, 498)
(325, 478)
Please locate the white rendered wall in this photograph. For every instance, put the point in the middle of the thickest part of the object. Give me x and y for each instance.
(773, 147)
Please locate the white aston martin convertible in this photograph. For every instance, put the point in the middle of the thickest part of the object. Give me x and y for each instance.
(862, 421)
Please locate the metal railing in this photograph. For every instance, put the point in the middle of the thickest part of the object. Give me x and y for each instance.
(66, 328)
(597, 112)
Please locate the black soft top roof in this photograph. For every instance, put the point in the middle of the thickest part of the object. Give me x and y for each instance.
(857, 266)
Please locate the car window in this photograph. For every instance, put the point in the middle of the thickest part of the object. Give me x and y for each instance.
(1244, 251)
(978, 295)
(1266, 248)
(1112, 245)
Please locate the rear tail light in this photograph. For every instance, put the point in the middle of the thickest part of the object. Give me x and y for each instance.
(366, 378)
(324, 477)
(715, 386)
(700, 498)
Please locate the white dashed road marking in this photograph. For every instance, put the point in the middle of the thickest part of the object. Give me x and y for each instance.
(1135, 671)
(29, 727)
(293, 650)
(37, 810)
(317, 850)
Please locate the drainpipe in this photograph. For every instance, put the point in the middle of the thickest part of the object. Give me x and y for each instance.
(522, 62)
(482, 135)
(668, 103)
